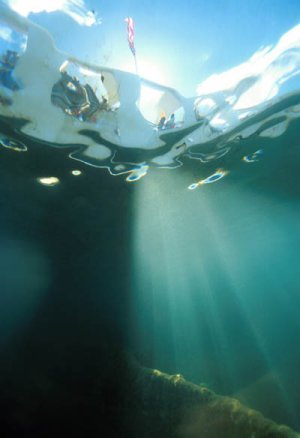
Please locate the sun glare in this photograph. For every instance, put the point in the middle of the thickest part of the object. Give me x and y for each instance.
(153, 71)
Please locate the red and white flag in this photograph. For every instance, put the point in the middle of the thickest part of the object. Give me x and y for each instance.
(130, 34)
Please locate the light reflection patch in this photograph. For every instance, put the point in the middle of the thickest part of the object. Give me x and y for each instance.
(206, 158)
(49, 181)
(76, 172)
(253, 158)
(210, 179)
(137, 173)
(119, 168)
(14, 145)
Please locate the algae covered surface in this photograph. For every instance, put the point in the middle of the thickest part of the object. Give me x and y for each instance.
(168, 405)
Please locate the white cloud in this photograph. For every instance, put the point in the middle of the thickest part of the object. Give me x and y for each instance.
(258, 79)
(6, 33)
(76, 9)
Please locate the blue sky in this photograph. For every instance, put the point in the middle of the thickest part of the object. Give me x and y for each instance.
(179, 44)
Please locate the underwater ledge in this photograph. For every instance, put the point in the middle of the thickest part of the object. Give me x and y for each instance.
(163, 405)
(130, 402)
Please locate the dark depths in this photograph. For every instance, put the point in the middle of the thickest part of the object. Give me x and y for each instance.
(70, 351)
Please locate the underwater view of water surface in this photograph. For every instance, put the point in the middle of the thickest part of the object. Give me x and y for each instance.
(150, 234)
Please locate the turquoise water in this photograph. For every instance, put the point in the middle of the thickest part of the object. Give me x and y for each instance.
(215, 275)
(192, 267)
(200, 282)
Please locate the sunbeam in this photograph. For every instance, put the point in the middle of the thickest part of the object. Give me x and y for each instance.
(204, 299)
